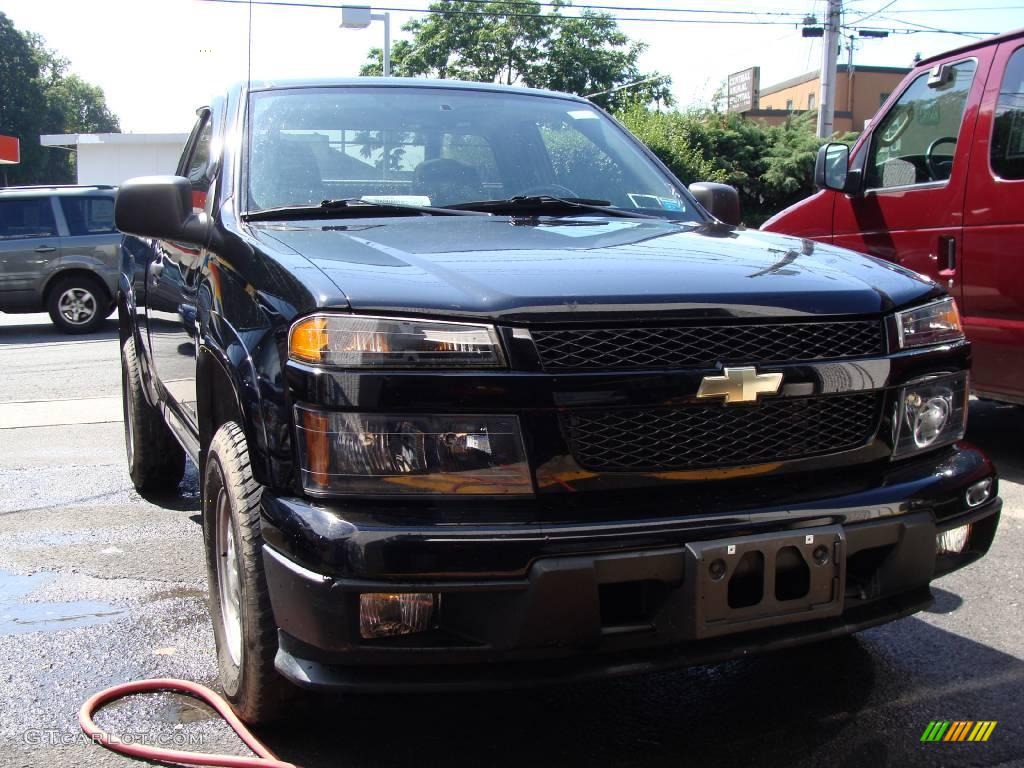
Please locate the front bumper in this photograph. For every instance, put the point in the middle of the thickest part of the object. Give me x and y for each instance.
(556, 599)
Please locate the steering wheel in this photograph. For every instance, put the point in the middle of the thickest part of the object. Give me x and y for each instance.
(933, 165)
(553, 190)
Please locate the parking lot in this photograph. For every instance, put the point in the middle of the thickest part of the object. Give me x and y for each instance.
(99, 585)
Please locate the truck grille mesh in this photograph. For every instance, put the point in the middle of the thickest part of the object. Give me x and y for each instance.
(705, 346)
(658, 439)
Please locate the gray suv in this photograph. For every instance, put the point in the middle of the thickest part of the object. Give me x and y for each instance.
(59, 251)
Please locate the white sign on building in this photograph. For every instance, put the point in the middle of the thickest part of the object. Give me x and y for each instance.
(742, 90)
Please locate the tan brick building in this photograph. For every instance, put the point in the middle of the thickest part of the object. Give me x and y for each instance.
(858, 96)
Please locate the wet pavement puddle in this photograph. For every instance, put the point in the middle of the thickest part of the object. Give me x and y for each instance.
(19, 614)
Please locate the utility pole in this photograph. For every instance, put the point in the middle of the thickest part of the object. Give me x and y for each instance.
(829, 54)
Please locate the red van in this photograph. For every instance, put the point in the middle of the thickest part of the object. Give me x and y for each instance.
(936, 184)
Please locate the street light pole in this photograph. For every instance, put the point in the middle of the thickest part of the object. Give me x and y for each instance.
(386, 18)
(829, 54)
(359, 17)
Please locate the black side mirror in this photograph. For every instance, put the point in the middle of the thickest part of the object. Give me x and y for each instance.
(720, 200)
(160, 207)
(832, 169)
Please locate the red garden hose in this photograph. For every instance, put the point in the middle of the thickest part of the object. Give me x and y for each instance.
(266, 759)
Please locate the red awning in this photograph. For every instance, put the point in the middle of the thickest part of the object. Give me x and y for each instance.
(10, 150)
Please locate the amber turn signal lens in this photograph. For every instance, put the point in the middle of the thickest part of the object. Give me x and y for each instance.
(308, 340)
(318, 451)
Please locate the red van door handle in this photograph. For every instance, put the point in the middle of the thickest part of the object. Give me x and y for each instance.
(947, 255)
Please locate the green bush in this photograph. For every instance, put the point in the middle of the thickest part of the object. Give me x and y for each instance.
(771, 166)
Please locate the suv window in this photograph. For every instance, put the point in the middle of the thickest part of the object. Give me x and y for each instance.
(1008, 133)
(916, 140)
(88, 215)
(196, 167)
(26, 217)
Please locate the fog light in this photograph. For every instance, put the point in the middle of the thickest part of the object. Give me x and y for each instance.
(979, 493)
(927, 418)
(931, 412)
(954, 541)
(388, 615)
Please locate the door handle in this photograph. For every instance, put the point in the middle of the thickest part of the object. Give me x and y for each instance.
(947, 256)
(45, 249)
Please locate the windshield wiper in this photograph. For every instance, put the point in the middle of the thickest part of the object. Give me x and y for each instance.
(546, 203)
(350, 206)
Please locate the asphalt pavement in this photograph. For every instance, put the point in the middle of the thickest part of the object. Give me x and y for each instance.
(99, 585)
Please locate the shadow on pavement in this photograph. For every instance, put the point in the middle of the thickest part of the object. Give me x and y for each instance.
(183, 499)
(998, 429)
(36, 333)
(850, 702)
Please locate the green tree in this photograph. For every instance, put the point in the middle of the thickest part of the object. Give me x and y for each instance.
(22, 102)
(771, 166)
(516, 43)
(38, 95)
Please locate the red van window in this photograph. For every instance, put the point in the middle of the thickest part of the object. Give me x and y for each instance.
(1008, 133)
(915, 142)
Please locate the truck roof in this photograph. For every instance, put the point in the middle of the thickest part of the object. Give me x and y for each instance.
(401, 82)
(993, 40)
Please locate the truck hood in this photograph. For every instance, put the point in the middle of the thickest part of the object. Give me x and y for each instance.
(533, 270)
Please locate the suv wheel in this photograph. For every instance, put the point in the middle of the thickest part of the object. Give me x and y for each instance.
(156, 462)
(77, 303)
(243, 622)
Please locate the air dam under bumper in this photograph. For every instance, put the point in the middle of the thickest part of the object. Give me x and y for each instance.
(614, 611)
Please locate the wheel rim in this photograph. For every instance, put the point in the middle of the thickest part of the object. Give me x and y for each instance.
(77, 306)
(229, 584)
(129, 426)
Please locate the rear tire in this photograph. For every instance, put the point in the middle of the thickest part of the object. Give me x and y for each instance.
(243, 621)
(78, 303)
(156, 461)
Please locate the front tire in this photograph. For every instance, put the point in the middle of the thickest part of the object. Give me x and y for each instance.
(156, 461)
(78, 303)
(243, 622)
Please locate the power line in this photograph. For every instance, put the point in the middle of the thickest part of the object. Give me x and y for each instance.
(960, 10)
(552, 17)
(873, 13)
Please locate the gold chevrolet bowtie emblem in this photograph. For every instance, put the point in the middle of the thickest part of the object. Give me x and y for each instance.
(740, 385)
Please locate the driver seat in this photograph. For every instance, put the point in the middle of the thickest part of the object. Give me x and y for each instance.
(447, 181)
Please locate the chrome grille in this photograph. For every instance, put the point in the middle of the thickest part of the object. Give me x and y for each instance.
(659, 439)
(706, 345)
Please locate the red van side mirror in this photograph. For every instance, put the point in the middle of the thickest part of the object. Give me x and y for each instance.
(832, 169)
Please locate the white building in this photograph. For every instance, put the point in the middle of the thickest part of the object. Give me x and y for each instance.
(110, 158)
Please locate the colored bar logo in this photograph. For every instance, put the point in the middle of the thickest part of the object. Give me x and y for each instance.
(959, 730)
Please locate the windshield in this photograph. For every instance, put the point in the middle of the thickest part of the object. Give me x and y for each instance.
(443, 147)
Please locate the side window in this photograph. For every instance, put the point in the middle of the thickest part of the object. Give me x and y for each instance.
(1008, 132)
(197, 167)
(579, 164)
(915, 141)
(28, 217)
(88, 215)
(474, 151)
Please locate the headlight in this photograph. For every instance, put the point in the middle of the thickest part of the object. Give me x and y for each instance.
(402, 454)
(930, 414)
(355, 341)
(933, 323)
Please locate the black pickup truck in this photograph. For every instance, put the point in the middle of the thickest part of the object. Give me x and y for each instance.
(481, 395)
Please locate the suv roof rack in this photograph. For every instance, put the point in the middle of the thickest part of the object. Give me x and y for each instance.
(29, 187)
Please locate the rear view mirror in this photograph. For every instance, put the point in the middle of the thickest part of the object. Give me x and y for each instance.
(160, 207)
(831, 168)
(720, 200)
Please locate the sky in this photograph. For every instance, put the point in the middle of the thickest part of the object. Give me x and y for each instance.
(158, 60)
